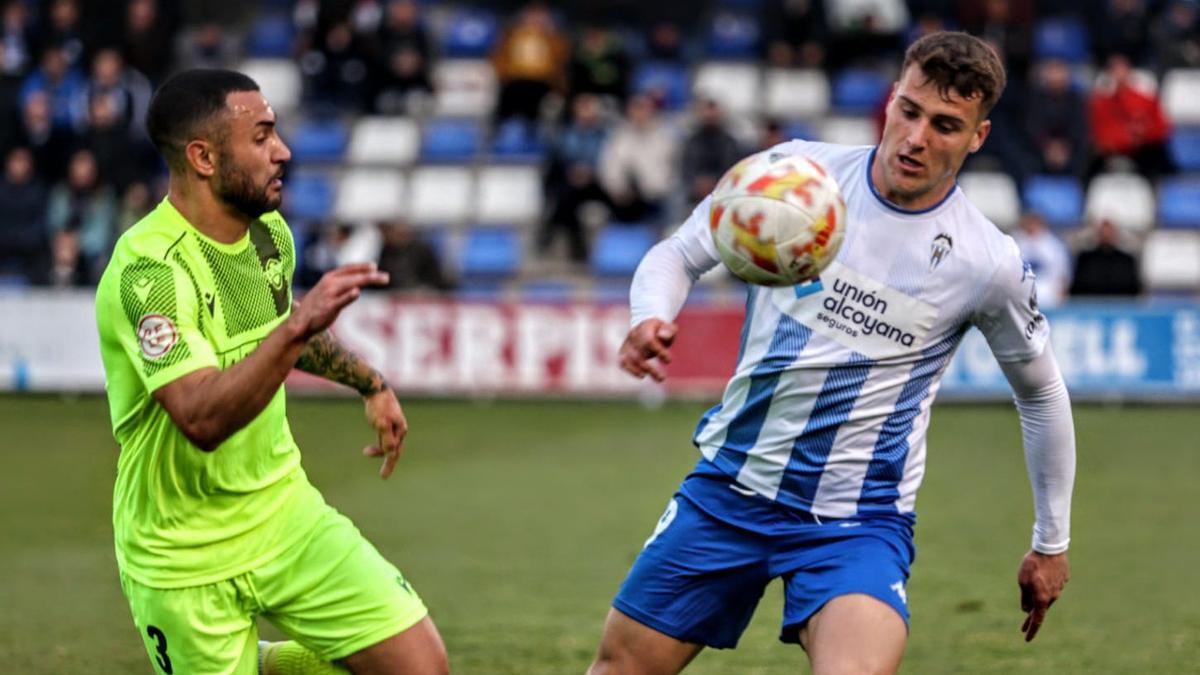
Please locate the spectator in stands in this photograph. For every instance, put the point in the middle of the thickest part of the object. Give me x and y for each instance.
(1008, 26)
(322, 250)
(530, 61)
(664, 42)
(571, 178)
(637, 164)
(1128, 122)
(81, 218)
(149, 38)
(796, 33)
(1105, 269)
(1123, 29)
(1056, 123)
(1047, 255)
(16, 40)
(127, 91)
(403, 56)
(207, 46)
(599, 65)
(122, 156)
(410, 261)
(62, 29)
(864, 34)
(136, 202)
(23, 238)
(16, 55)
(708, 152)
(1175, 35)
(52, 145)
(63, 84)
(337, 70)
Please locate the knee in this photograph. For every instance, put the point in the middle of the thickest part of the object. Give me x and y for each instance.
(863, 664)
(611, 660)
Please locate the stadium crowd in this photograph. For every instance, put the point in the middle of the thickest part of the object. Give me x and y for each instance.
(626, 115)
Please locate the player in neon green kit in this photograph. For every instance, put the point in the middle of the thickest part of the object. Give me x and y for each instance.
(215, 520)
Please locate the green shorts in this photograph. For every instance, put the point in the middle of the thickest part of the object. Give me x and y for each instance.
(335, 594)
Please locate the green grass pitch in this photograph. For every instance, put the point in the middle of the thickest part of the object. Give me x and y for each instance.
(517, 521)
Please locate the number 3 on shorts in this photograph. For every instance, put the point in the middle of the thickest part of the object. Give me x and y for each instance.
(160, 644)
(664, 522)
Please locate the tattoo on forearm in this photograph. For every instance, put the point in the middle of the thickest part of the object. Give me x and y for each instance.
(326, 357)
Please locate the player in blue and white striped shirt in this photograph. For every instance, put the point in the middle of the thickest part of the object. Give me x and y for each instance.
(812, 460)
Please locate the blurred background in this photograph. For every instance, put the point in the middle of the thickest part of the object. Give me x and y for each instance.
(509, 164)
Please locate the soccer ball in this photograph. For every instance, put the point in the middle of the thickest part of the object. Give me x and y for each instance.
(777, 219)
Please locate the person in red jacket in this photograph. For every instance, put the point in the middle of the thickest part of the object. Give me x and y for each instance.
(1128, 121)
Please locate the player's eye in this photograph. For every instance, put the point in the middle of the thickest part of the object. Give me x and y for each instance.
(909, 113)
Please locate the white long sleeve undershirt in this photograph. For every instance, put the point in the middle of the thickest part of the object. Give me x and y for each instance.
(1048, 432)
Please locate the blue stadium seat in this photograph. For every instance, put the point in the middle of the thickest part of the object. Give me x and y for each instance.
(669, 80)
(1179, 203)
(1061, 38)
(517, 141)
(619, 248)
(319, 140)
(469, 33)
(798, 129)
(859, 91)
(1185, 148)
(270, 35)
(490, 252)
(308, 196)
(733, 35)
(549, 291)
(1059, 199)
(450, 140)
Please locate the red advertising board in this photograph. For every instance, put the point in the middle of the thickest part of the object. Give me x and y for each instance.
(457, 348)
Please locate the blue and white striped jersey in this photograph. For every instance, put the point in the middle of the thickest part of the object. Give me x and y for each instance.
(829, 404)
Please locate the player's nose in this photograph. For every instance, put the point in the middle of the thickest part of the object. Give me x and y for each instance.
(916, 135)
(282, 152)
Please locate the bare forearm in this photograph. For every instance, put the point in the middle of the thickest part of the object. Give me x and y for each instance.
(211, 405)
(325, 357)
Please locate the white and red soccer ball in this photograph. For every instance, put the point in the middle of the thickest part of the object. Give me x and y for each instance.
(777, 219)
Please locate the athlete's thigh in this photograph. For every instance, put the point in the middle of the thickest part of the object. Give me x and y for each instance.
(337, 594)
(698, 579)
(855, 633)
(632, 648)
(418, 650)
(202, 630)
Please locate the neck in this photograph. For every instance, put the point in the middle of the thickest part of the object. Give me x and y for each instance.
(213, 218)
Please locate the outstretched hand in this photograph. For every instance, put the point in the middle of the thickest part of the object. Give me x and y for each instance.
(1041, 579)
(647, 349)
(384, 414)
(336, 289)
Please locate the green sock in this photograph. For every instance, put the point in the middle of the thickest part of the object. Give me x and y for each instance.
(292, 658)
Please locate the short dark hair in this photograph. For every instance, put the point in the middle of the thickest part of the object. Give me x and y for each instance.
(184, 107)
(962, 62)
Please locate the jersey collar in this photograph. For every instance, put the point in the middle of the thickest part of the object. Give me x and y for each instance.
(899, 209)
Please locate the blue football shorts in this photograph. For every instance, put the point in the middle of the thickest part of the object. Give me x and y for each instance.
(717, 546)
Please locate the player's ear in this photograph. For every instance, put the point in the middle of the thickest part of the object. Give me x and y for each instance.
(981, 134)
(201, 156)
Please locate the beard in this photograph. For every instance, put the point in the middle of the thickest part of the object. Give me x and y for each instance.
(236, 188)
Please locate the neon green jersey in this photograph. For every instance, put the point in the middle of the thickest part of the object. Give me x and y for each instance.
(173, 301)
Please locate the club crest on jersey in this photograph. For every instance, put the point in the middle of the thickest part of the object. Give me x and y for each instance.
(273, 269)
(942, 245)
(156, 335)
